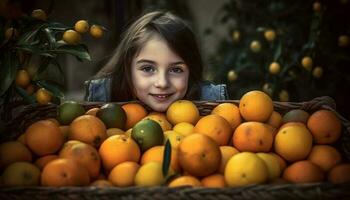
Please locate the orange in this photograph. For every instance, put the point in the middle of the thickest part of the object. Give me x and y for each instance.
(155, 154)
(230, 112)
(123, 174)
(272, 164)
(275, 119)
(71, 37)
(215, 127)
(283, 95)
(81, 26)
(54, 121)
(101, 183)
(199, 155)
(88, 129)
(317, 6)
(270, 35)
(84, 154)
(42, 161)
(182, 111)
(43, 96)
(317, 72)
(226, 153)
(232, 75)
(303, 172)
(114, 131)
(340, 173)
(282, 163)
(324, 156)
(11, 33)
(161, 119)
(245, 168)
(256, 106)
(39, 14)
(21, 174)
(274, 68)
(253, 137)
(307, 63)
(44, 137)
(22, 138)
(255, 46)
(22, 78)
(64, 172)
(343, 40)
(96, 31)
(185, 181)
(30, 89)
(214, 181)
(184, 128)
(13, 151)
(128, 132)
(92, 111)
(65, 132)
(134, 113)
(117, 149)
(150, 174)
(292, 124)
(174, 138)
(290, 137)
(325, 127)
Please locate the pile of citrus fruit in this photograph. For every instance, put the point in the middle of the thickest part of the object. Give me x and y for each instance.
(123, 145)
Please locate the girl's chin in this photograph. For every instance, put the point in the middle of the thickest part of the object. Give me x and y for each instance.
(159, 108)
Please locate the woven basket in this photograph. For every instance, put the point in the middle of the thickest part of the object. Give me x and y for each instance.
(323, 190)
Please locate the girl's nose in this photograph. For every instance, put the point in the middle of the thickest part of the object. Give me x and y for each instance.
(161, 81)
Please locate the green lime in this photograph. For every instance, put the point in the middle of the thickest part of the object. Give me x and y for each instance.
(147, 133)
(68, 111)
(112, 115)
(296, 115)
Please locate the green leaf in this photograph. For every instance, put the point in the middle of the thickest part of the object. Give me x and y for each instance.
(8, 70)
(57, 64)
(50, 36)
(43, 66)
(277, 52)
(34, 50)
(51, 86)
(28, 98)
(80, 51)
(29, 36)
(57, 26)
(166, 158)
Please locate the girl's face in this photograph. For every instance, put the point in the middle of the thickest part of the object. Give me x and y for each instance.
(159, 75)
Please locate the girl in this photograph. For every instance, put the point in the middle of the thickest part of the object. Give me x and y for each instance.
(157, 62)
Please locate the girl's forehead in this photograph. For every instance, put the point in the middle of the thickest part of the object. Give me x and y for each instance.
(157, 48)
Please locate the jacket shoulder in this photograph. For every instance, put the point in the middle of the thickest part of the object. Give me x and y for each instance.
(98, 90)
(210, 91)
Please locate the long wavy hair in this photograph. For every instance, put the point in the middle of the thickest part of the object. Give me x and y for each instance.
(178, 35)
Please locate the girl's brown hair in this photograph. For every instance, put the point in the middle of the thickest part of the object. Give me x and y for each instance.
(174, 31)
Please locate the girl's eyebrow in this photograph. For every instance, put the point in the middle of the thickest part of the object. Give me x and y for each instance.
(145, 61)
(153, 62)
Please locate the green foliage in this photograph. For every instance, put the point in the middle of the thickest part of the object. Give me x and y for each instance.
(301, 30)
(38, 39)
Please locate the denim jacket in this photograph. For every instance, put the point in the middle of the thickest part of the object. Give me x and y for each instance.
(98, 90)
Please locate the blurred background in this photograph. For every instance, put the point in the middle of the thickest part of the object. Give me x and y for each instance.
(294, 50)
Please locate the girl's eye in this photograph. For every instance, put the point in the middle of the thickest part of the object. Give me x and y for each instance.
(147, 68)
(176, 70)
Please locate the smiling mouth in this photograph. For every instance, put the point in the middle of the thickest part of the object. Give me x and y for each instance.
(161, 96)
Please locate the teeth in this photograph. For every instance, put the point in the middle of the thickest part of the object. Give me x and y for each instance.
(161, 96)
